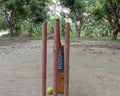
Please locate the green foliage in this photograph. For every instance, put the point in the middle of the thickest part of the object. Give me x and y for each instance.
(68, 3)
(96, 29)
(97, 17)
(89, 15)
(74, 5)
(77, 10)
(25, 27)
(18, 11)
(98, 14)
(10, 4)
(51, 25)
(62, 23)
(72, 31)
(102, 7)
(79, 6)
(22, 13)
(39, 10)
(3, 23)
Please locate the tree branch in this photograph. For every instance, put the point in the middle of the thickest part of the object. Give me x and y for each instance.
(118, 1)
(18, 6)
(7, 17)
(109, 18)
(114, 11)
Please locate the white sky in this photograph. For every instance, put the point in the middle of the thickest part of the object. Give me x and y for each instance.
(55, 1)
(56, 8)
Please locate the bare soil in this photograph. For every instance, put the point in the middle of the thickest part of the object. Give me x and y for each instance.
(94, 67)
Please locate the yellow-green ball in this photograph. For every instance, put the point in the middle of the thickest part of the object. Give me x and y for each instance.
(50, 90)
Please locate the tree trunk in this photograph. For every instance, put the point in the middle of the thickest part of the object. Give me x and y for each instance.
(78, 32)
(113, 18)
(78, 24)
(10, 22)
(30, 30)
(115, 32)
(114, 35)
(11, 28)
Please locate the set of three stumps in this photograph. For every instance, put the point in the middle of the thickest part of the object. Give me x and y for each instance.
(61, 60)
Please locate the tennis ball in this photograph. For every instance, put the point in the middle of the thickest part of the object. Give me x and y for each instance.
(50, 90)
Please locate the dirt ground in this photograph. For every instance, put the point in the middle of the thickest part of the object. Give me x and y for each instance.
(94, 68)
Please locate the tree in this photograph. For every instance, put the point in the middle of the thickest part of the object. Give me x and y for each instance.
(13, 12)
(77, 13)
(38, 13)
(105, 10)
(16, 11)
(39, 10)
(110, 11)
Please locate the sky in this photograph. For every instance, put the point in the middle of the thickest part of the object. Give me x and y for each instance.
(56, 9)
(55, 1)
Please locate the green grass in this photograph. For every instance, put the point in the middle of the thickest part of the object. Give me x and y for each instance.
(93, 38)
